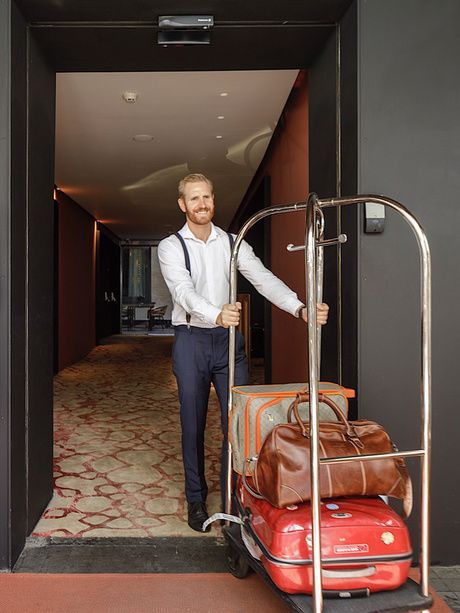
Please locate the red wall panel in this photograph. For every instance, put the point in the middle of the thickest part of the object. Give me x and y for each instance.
(77, 256)
(286, 162)
(288, 168)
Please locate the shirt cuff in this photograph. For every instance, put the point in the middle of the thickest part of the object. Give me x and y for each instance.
(298, 309)
(211, 314)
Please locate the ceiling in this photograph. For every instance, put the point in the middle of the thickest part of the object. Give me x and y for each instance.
(131, 186)
(100, 49)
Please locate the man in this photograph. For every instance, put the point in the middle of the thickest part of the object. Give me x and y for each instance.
(201, 317)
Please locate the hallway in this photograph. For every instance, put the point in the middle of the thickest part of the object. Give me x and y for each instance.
(117, 451)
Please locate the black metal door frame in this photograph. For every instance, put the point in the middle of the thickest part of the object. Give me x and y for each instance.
(26, 282)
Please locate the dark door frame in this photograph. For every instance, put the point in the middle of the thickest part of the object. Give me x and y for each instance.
(5, 275)
(26, 303)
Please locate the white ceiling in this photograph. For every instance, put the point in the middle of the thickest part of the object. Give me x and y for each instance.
(132, 186)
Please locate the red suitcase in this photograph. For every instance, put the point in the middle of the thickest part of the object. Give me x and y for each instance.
(365, 545)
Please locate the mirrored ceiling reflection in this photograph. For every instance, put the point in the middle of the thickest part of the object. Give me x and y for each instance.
(124, 140)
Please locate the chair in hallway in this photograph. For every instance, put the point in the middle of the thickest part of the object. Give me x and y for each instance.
(127, 317)
(156, 316)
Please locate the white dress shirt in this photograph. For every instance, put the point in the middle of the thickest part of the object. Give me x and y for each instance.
(203, 294)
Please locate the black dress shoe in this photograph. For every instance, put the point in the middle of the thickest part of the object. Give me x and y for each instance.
(197, 515)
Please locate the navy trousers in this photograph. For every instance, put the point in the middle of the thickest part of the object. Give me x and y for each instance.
(200, 357)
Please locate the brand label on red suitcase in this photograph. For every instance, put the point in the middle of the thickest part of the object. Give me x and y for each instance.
(355, 548)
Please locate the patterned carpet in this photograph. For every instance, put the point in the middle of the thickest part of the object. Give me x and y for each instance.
(117, 458)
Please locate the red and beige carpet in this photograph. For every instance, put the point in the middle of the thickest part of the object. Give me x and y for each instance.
(117, 456)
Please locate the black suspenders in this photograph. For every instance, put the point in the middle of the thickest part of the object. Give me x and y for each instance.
(187, 259)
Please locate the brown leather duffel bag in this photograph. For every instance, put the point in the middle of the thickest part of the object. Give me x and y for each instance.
(282, 471)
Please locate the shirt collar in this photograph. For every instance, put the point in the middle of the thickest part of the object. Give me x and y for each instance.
(187, 233)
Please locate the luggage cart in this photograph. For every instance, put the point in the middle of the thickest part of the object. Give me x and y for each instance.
(411, 596)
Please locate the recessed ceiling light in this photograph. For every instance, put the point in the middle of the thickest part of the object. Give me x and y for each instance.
(220, 117)
(224, 93)
(143, 138)
(219, 136)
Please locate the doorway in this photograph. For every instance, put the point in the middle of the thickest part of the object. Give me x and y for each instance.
(117, 458)
(38, 52)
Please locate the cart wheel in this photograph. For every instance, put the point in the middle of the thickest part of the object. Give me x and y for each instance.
(237, 562)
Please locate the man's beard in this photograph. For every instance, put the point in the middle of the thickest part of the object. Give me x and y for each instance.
(198, 219)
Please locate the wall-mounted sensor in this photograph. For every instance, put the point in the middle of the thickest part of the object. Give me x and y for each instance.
(185, 21)
(374, 218)
(184, 30)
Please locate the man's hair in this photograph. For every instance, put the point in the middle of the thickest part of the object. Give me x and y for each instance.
(193, 178)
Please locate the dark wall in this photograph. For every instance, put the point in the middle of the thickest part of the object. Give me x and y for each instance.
(409, 130)
(26, 296)
(18, 238)
(323, 141)
(77, 281)
(393, 128)
(107, 285)
(332, 118)
(5, 276)
(40, 276)
(89, 282)
(348, 217)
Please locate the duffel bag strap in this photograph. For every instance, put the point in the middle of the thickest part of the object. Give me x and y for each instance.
(294, 408)
(250, 489)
